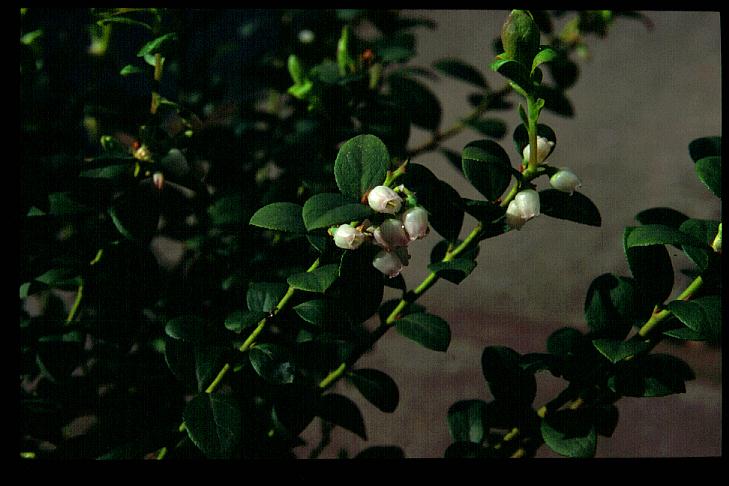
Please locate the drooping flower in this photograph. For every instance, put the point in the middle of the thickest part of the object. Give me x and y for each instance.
(388, 263)
(544, 148)
(565, 180)
(384, 200)
(415, 221)
(524, 207)
(348, 237)
(391, 234)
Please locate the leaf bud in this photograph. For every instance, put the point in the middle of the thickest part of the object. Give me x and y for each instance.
(520, 37)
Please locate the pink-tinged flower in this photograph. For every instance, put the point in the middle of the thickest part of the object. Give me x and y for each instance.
(158, 179)
(388, 263)
(544, 148)
(348, 237)
(391, 234)
(415, 221)
(565, 180)
(384, 200)
(524, 207)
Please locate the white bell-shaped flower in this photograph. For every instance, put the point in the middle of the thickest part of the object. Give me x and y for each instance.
(524, 207)
(388, 263)
(544, 148)
(415, 221)
(384, 200)
(348, 237)
(391, 234)
(565, 180)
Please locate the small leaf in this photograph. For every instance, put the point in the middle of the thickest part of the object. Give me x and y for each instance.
(130, 69)
(702, 315)
(491, 127)
(318, 280)
(377, 387)
(421, 104)
(570, 433)
(705, 231)
(515, 71)
(454, 270)
(442, 202)
(613, 305)
(359, 289)
(616, 350)
(487, 167)
(555, 101)
(315, 311)
(208, 361)
(563, 341)
(666, 216)
(61, 204)
(467, 421)
(343, 412)
(659, 234)
(651, 266)
(272, 363)
(575, 207)
(361, 164)
(186, 328)
(62, 278)
(507, 381)
(381, 452)
(227, 211)
(654, 375)
(280, 216)
(461, 70)
(709, 171)
(239, 320)
(453, 157)
(136, 214)
(327, 209)
(705, 147)
(426, 329)
(213, 423)
(546, 54)
(159, 45)
(263, 296)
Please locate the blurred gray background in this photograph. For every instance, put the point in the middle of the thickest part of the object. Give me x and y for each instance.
(639, 101)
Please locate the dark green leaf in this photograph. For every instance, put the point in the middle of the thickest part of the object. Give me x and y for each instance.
(343, 412)
(570, 433)
(564, 72)
(62, 278)
(272, 363)
(180, 359)
(319, 242)
(442, 202)
(534, 362)
(389, 306)
(616, 350)
(659, 234)
(507, 381)
(606, 419)
(521, 137)
(315, 311)
(381, 452)
(613, 305)
(61, 204)
(426, 329)
(555, 101)
(546, 54)
(709, 171)
(702, 315)
(377, 387)
(327, 209)
(161, 45)
(227, 211)
(666, 216)
(397, 282)
(491, 215)
(359, 289)
(187, 328)
(454, 270)
(514, 71)
(491, 127)
(461, 70)
(453, 157)
(361, 164)
(684, 333)
(240, 320)
(465, 450)
(705, 147)
(572, 207)
(263, 296)
(654, 375)
(136, 214)
(208, 362)
(651, 266)
(123, 20)
(130, 69)
(563, 341)
(213, 423)
(486, 165)
(280, 216)
(318, 280)
(705, 231)
(467, 421)
(421, 104)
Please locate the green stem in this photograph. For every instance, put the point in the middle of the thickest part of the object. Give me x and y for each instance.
(76, 304)
(532, 130)
(658, 317)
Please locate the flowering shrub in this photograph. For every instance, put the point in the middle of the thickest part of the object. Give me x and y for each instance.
(297, 209)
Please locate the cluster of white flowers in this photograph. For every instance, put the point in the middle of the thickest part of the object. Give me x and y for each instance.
(393, 235)
(525, 205)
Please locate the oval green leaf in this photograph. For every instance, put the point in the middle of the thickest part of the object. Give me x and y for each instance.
(280, 216)
(467, 421)
(272, 363)
(461, 70)
(318, 280)
(487, 167)
(709, 171)
(328, 209)
(213, 423)
(343, 412)
(361, 164)
(377, 387)
(574, 207)
(426, 329)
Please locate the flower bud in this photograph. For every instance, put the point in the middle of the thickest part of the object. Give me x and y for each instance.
(565, 180)
(415, 221)
(716, 244)
(520, 37)
(544, 148)
(158, 179)
(388, 263)
(524, 207)
(348, 237)
(384, 200)
(391, 234)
